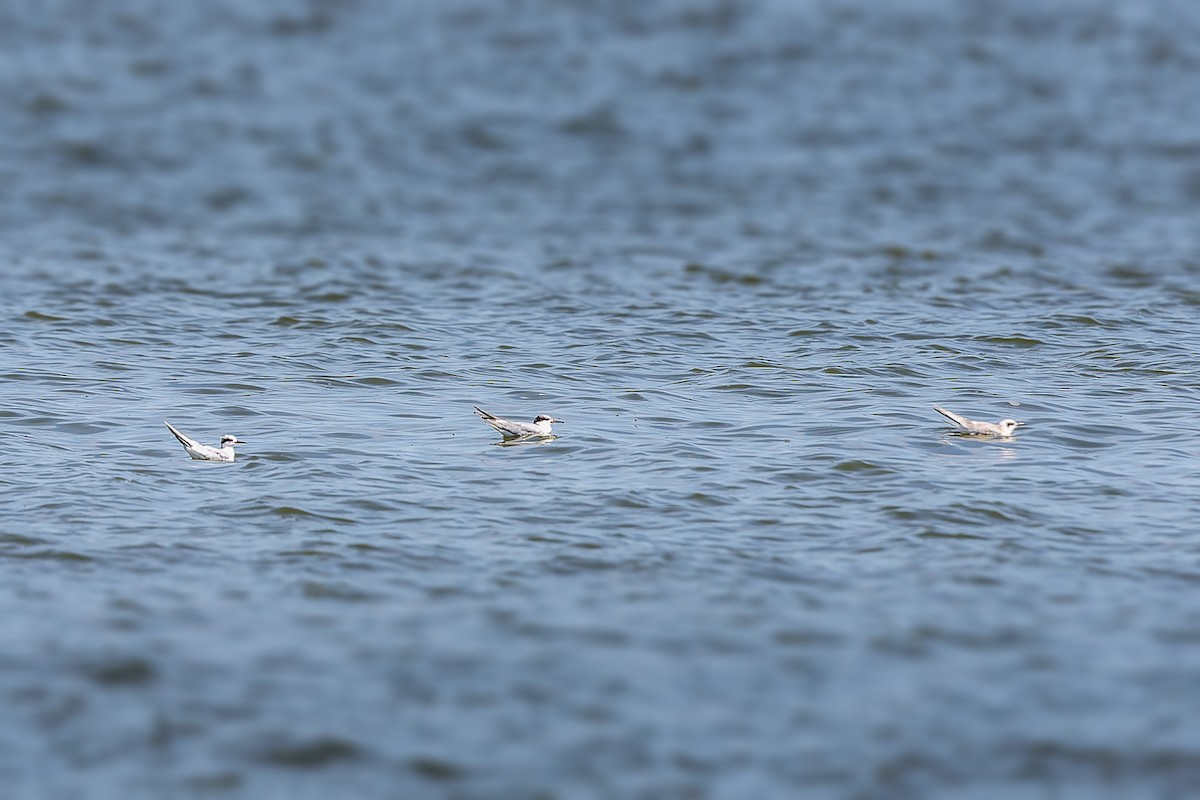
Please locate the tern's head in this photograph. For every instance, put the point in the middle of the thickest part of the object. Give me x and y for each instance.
(545, 418)
(1007, 426)
(229, 440)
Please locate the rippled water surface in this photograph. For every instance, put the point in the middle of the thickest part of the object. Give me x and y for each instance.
(741, 250)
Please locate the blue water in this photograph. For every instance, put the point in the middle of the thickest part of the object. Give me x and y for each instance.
(741, 250)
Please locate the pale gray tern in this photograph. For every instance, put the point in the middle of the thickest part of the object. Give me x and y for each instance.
(1004, 427)
(203, 452)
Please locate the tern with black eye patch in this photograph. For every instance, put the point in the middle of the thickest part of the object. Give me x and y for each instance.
(541, 427)
(203, 452)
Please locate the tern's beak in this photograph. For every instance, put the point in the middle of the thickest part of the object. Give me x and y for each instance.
(238, 441)
(559, 421)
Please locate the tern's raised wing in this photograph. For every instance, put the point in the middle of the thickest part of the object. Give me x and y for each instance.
(962, 422)
(195, 449)
(507, 427)
(186, 441)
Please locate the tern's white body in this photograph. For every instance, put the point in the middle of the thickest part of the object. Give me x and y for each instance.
(1004, 427)
(203, 452)
(541, 427)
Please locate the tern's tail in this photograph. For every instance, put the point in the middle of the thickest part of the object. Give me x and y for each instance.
(484, 414)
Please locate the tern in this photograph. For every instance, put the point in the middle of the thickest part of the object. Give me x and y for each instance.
(202, 452)
(510, 429)
(1004, 427)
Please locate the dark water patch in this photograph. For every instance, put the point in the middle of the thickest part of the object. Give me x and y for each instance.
(1133, 275)
(330, 297)
(565, 564)
(312, 322)
(1183, 636)
(1187, 576)
(82, 428)
(808, 637)
(721, 276)
(1082, 442)
(350, 436)
(17, 540)
(370, 504)
(323, 590)
(1077, 320)
(311, 753)
(1079, 530)
(309, 554)
(1011, 341)
(216, 782)
(985, 512)
(209, 391)
(930, 533)
(54, 554)
(391, 327)
(807, 333)
(857, 466)
(136, 342)
(238, 411)
(1100, 763)
(292, 512)
(38, 375)
(120, 672)
(978, 580)
(434, 768)
(710, 424)
(38, 316)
